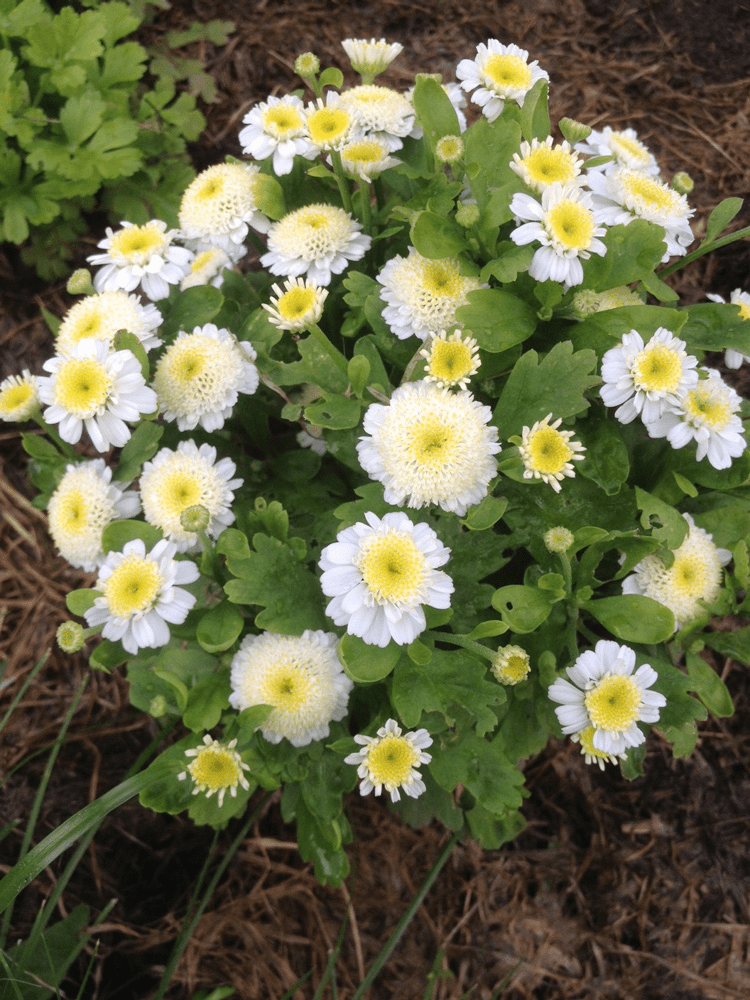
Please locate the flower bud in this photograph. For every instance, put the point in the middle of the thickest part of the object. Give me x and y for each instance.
(449, 149)
(467, 215)
(574, 131)
(307, 64)
(511, 665)
(558, 540)
(79, 283)
(158, 706)
(71, 637)
(195, 518)
(682, 182)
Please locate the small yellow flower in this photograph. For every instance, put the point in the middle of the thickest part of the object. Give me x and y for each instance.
(511, 665)
(548, 453)
(216, 768)
(451, 360)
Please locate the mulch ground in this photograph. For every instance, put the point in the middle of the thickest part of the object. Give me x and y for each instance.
(615, 890)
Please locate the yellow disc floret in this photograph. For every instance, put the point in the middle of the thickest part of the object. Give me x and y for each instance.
(657, 368)
(83, 387)
(613, 704)
(570, 224)
(390, 761)
(133, 587)
(137, 244)
(506, 73)
(393, 568)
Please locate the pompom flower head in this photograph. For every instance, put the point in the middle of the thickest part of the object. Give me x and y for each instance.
(548, 453)
(277, 128)
(19, 397)
(83, 504)
(379, 575)
(693, 578)
(140, 255)
(102, 316)
(199, 377)
(215, 767)
(390, 760)
(499, 73)
(317, 241)
(139, 595)
(300, 676)
(430, 446)
(607, 694)
(219, 206)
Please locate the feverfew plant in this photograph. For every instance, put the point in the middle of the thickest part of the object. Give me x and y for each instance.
(451, 471)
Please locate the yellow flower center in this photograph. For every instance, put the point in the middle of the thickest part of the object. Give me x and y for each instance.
(88, 326)
(327, 125)
(296, 303)
(288, 688)
(82, 387)
(708, 407)
(214, 769)
(548, 451)
(390, 761)
(282, 119)
(15, 396)
(587, 743)
(653, 193)
(451, 360)
(613, 704)
(432, 443)
(687, 575)
(179, 491)
(392, 567)
(550, 166)
(136, 241)
(508, 72)
(132, 587)
(71, 514)
(635, 151)
(744, 308)
(441, 279)
(515, 668)
(657, 369)
(364, 152)
(570, 224)
(189, 362)
(201, 261)
(210, 188)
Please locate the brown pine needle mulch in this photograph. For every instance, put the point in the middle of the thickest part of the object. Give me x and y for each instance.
(615, 890)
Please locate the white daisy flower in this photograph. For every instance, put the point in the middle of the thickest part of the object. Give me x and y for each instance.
(19, 397)
(102, 316)
(645, 379)
(706, 414)
(390, 760)
(625, 194)
(200, 376)
(589, 751)
(217, 768)
(566, 224)
(141, 255)
(296, 305)
(732, 358)
(301, 677)
(609, 696)
(98, 388)
(540, 164)
(277, 128)
(693, 577)
(625, 148)
(207, 268)
(369, 59)
(317, 241)
(429, 445)
(451, 360)
(382, 113)
(423, 295)
(511, 665)
(499, 73)
(366, 158)
(331, 123)
(189, 477)
(548, 453)
(83, 504)
(380, 574)
(139, 595)
(219, 206)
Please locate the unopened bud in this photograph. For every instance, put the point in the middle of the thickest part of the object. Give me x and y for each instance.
(71, 637)
(450, 148)
(511, 665)
(682, 183)
(558, 540)
(158, 706)
(574, 131)
(306, 65)
(79, 283)
(467, 215)
(195, 518)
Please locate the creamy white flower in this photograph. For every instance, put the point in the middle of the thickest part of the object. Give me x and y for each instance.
(382, 113)
(732, 358)
(207, 268)
(317, 241)
(277, 128)
(566, 224)
(296, 305)
(19, 397)
(219, 206)
(693, 577)
(548, 453)
(380, 574)
(369, 59)
(499, 73)
(331, 123)
(625, 194)
(98, 388)
(540, 164)
(189, 477)
(141, 255)
(706, 414)
(625, 148)
(102, 316)
(84, 502)
(390, 760)
(451, 360)
(366, 158)
(139, 595)
(216, 768)
(423, 295)
(645, 379)
(200, 376)
(301, 677)
(429, 445)
(609, 696)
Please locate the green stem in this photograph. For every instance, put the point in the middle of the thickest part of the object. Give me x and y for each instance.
(404, 922)
(461, 640)
(342, 181)
(325, 344)
(364, 197)
(741, 234)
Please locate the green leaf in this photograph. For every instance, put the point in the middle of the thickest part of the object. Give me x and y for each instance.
(720, 218)
(632, 767)
(436, 114)
(126, 341)
(358, 372)
(193, 307)
(523, 609)
(117, 534)
(735, 644)
(335, 412)
(485, 514)
(319, 841)
(79, 601)
(367, 664)
(108, 655)
(633, 618)
(55, 951)
(682, 738)
(606, 461)
(506, 267)
(670, 527)
(269, 196)
(331, 77)
(437, 237)
(534, 115)
(220, 628)
(206, 701)
(480, 316)
(483, 768)
(556, 386)
(709, 687)
(633, 251)
(81, 116)
(141, 447)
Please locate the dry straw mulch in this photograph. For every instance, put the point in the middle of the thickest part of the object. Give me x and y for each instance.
(615, 890)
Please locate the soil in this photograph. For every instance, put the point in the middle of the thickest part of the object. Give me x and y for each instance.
(614, 890)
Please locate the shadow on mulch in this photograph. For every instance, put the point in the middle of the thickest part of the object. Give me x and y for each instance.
(615, 890)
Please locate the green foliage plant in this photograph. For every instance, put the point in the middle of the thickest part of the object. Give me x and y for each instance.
(531, 549)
